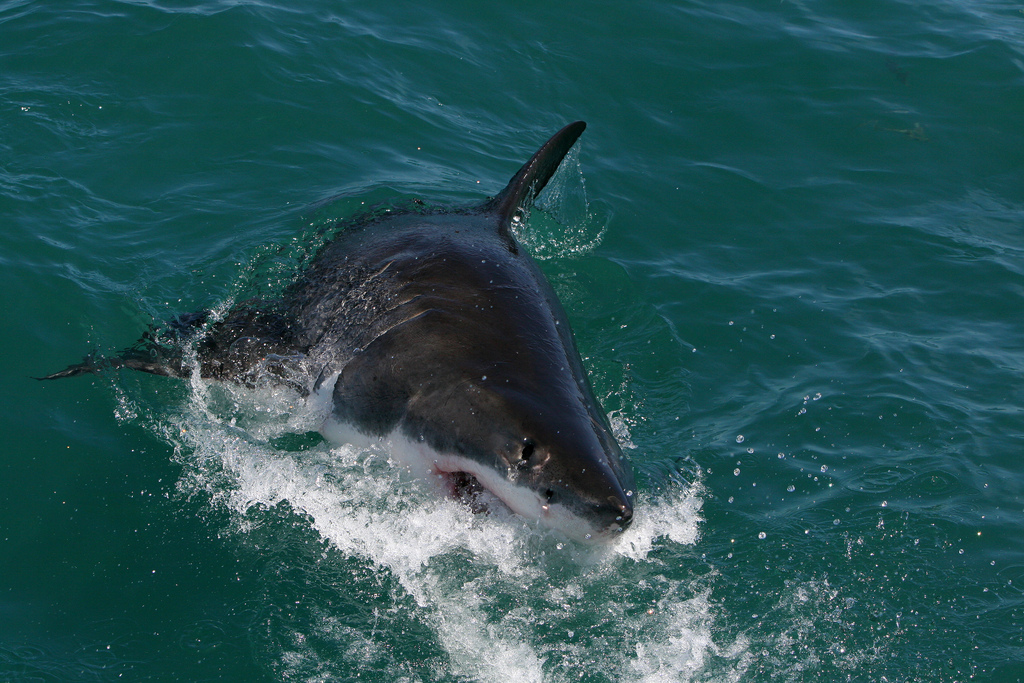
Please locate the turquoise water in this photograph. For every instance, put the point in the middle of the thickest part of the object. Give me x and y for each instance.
(797, 282)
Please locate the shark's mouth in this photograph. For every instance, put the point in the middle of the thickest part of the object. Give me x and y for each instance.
(471, 491)
(478, 486)
(467, 489)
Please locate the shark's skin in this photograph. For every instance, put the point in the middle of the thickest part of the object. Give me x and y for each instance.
(438, 333)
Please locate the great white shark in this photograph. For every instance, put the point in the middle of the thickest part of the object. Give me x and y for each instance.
(435, 332)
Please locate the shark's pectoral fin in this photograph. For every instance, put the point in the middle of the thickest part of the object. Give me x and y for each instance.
(371, 394)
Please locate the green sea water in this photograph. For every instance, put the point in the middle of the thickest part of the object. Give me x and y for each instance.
(791, 245)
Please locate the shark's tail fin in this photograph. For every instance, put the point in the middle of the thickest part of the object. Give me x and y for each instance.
(527, 183)
(158, 351)
(247, 340)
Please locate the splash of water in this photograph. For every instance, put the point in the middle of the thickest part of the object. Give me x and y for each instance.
(496, 597)
(564, 223)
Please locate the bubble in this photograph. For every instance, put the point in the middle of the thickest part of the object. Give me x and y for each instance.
(762, 535)
(739, 438)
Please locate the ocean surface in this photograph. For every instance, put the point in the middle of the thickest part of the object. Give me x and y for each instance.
(791, 245)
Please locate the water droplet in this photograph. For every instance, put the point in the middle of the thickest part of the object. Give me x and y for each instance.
(739, 439)
(824, 468)
(762, 535)
(791, 488)
(835, 522)
(782, 456)
(736, 472)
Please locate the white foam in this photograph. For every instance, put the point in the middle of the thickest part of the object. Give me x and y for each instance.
(504, 599)
(680, 647)
(674, 516)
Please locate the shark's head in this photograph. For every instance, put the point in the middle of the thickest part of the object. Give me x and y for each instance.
(545, 457)
(548, 456)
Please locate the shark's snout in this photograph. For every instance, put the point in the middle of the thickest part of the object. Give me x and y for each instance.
(625, 516)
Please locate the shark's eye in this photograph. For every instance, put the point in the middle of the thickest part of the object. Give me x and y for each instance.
(528, 447)
(548, 495)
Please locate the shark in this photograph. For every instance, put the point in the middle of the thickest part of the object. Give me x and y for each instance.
(435, 333)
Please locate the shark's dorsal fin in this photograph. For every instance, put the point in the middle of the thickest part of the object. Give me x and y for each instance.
(527, 183)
